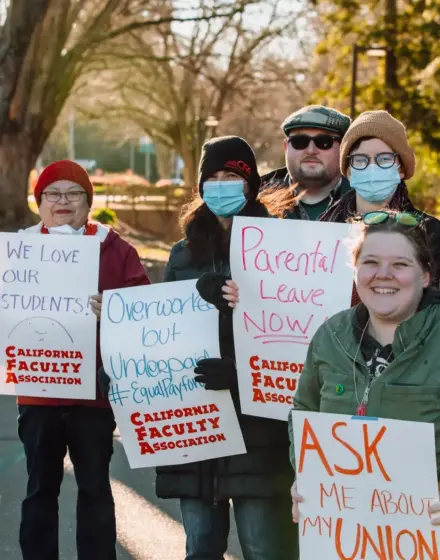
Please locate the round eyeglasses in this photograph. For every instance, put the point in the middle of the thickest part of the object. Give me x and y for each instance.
(385, 160)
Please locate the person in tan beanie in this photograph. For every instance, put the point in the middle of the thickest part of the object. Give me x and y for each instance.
(377, 158)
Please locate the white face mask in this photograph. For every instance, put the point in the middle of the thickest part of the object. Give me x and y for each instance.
(66, 229)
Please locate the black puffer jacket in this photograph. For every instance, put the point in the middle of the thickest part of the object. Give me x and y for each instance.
(264, 471)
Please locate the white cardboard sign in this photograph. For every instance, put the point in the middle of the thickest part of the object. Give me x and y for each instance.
(48, 334)
(151, 339)
(367, 484)
(292, 276)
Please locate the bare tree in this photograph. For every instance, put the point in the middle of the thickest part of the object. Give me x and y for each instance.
(179, 76)
(45, 46)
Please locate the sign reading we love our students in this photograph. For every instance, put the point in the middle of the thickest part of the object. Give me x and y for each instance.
(292, 276)
(151, 339)
(48, 334)
(367, 484)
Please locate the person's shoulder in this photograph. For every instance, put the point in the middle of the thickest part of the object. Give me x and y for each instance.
(336, 324)
(275, 178)
(180, 251)
(430, 221)
(111, 238)
(115, 247)
(342, 208)
(179, 247)
(32, 229)
(345, 186)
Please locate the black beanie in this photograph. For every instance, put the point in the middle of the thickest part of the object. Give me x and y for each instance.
(229, 153)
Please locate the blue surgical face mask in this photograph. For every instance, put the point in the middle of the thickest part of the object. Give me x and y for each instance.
(375, 184)
(224, 198)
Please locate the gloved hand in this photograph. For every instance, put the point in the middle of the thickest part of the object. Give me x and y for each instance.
(209, 286)
(103, 382)
(216, 373)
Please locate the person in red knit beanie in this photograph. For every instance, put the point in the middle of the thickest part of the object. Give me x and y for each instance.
(49, 427)
(64, 170)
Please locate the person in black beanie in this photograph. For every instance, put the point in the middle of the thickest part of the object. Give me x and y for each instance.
(257, 482)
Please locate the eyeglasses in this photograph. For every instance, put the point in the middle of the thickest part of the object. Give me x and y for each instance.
(70, 196)
(321, 141)
(385, 160)
(380, 217)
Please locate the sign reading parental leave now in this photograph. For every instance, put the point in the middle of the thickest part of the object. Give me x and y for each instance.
(151, 339)
(48, 334)
(366, 491)
(292, 276)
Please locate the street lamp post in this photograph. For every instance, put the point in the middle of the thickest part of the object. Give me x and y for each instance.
(371, 51)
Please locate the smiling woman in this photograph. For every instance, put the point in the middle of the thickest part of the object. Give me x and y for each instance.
(384, 352)
(48, 427)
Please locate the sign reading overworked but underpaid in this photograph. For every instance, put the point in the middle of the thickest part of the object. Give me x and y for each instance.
(48, 334)
(151, 338)
(367, 484)
(292, 276)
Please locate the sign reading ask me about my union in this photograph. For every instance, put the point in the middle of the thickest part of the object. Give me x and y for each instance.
(366, 491)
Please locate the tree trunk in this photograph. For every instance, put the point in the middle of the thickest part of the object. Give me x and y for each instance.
(164, 161)
(17, 158)
(189, 171)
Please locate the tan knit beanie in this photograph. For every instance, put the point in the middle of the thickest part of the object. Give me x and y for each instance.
(379, 124)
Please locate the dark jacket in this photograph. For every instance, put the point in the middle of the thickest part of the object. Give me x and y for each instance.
(345, 209)
(119, 267)
(277, 178)
(264, 471)
(280, 179)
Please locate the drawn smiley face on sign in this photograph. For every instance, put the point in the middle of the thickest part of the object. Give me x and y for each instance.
(41, 331)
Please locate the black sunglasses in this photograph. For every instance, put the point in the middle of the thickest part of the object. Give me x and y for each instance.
(321, 141)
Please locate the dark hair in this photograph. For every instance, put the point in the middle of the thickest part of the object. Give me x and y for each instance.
(205, 237)
(359, 141)
(416, 235)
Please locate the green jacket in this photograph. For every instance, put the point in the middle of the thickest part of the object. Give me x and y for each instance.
(409, 389)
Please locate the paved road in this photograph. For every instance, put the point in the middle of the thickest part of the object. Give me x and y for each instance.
(148, 528)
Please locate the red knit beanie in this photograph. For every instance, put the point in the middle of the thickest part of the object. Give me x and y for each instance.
(63, 170)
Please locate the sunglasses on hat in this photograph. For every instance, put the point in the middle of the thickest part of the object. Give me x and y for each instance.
(321, 141)
(380, 217)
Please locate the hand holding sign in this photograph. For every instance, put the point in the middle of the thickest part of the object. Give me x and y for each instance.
(296, 499)
(230, 294)
(434, 509)
(216, 374)
(96, 305)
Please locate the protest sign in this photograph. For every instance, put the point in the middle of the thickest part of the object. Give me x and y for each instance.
(367, 484)
(48, 335)
(292, 276)
(151, 338)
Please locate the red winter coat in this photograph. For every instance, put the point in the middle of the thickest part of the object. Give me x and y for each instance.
(119, 267)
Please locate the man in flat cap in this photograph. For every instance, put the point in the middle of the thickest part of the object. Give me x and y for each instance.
(311, 181)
